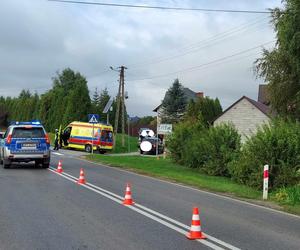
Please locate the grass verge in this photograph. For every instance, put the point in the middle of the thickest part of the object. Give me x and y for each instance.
(130, 144)
(167, 170)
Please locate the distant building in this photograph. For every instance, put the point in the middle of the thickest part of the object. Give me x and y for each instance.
(247, 115)
(189, 96)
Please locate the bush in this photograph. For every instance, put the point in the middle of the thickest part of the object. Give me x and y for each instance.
(210, 150)
(290, 195)
(177, 142)
(278, 145)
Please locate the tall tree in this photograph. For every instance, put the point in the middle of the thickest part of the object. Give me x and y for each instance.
(174, 103)
(204, 109)
(67, 101)
(103, 99)
(280, 67)
(95, 101)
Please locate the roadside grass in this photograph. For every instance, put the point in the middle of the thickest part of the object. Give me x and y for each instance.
(167, 170)
(131, 143)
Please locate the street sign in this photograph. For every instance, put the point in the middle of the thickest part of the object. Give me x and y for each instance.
(107, 106)
(93, 118)
(164, 129)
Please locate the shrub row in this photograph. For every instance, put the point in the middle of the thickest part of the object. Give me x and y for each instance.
(210, 150)
(217, 151)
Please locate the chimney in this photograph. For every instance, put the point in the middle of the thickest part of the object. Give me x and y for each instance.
(200, 94)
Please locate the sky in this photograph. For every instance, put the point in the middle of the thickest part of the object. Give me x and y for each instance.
(210, 52)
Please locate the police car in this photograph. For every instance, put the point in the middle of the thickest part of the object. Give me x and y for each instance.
(25, 142)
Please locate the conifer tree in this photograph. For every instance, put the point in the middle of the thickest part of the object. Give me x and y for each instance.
(174, 104)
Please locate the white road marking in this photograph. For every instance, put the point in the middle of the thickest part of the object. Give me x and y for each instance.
(194, 189)
(138, 208)
(56, 153)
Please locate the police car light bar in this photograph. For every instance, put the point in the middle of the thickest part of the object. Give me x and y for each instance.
(33, 122)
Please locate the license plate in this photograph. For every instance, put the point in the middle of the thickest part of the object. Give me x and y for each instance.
(29, 146)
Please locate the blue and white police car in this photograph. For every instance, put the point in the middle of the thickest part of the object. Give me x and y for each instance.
(25, 142)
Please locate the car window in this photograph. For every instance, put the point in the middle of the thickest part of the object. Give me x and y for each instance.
(24, 132)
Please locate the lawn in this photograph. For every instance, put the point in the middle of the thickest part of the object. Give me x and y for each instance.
(167, 170)
(131, 144)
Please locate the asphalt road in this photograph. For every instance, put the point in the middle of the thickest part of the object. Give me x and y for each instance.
(41, 209)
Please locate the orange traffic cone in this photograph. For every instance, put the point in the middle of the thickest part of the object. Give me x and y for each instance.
(195, 232)
(81, 179)
(128, 199)
(59, 167)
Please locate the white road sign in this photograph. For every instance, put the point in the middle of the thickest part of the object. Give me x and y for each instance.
(164, 129)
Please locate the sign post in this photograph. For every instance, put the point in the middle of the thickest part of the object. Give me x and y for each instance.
(266, 182)
(93, 118)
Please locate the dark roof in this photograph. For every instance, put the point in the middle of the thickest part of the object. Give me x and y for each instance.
(260, 106)
(263, 94)
(189, 94)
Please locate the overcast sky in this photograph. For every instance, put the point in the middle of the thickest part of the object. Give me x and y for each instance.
(39, 38)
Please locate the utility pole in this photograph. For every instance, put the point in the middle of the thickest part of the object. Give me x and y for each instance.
(123, 105)
(120, 102)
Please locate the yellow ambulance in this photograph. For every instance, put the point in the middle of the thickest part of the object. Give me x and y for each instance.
(83, 135)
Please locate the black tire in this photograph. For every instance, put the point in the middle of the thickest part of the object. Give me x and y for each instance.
(88, 148)
(37, 163)
(6, 164)
(45, 165)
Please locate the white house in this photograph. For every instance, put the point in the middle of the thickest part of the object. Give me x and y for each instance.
(189, 94)
(246, 115)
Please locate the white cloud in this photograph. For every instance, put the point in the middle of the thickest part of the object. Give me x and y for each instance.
(37, 38)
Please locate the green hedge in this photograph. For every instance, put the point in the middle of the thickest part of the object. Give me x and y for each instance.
(277, 145)
(208, 149)
(217, 151)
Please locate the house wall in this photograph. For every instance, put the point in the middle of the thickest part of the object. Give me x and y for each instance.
(245, 117)
(159, 112)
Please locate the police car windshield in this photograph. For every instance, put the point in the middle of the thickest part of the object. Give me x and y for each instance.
(32, 132)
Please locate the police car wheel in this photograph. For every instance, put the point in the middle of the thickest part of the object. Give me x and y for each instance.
(45, 165)
(88, 148)
(5, 165)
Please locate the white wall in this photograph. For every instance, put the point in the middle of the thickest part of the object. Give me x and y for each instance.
(245, 117)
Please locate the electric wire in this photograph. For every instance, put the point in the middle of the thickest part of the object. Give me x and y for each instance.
(206, 44)
(204, 64)
(163, 7)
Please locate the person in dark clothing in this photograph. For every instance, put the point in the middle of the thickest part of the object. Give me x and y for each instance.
(56, 140)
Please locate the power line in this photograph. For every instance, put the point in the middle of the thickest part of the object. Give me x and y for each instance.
(163, 7)
(205, 64)
(206, 43)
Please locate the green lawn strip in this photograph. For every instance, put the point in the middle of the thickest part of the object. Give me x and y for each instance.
(292, 209)
(130, 145)
(165, 169)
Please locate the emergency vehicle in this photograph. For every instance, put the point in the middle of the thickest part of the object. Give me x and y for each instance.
(25, 142)
(79, 135)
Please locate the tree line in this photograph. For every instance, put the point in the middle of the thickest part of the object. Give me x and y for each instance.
(68, 100)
